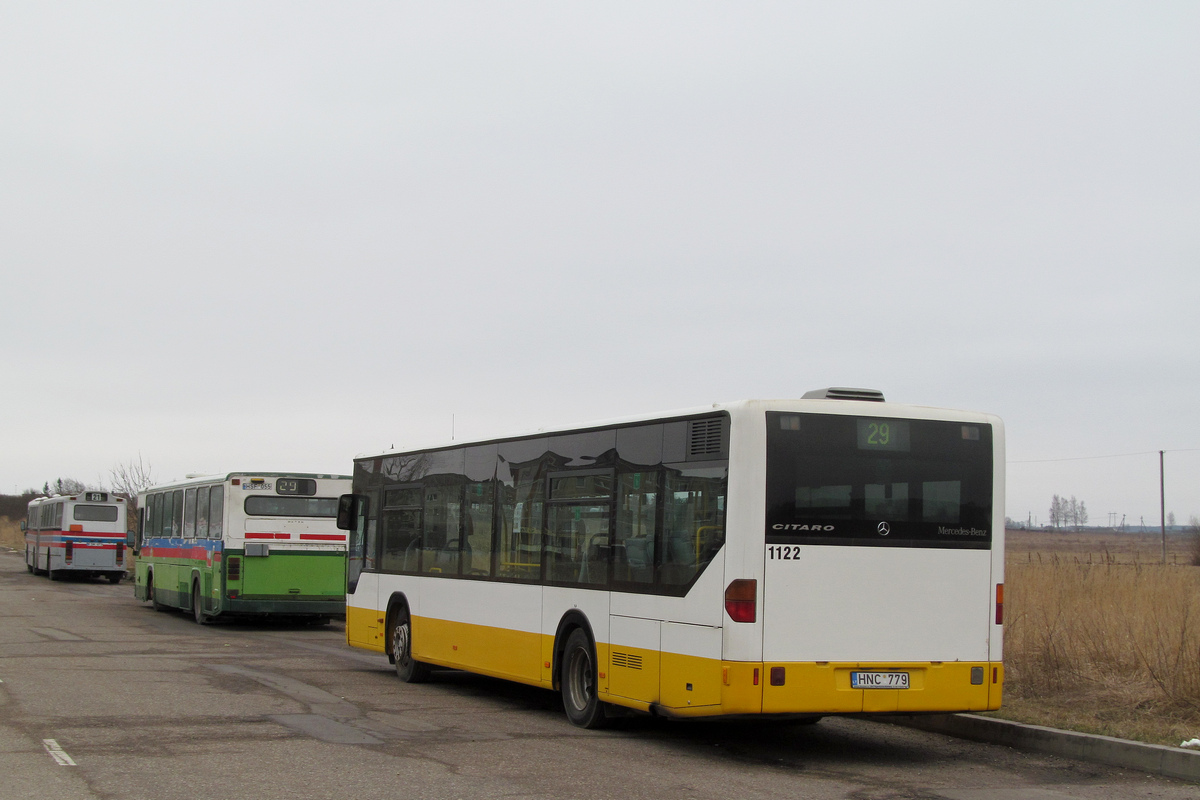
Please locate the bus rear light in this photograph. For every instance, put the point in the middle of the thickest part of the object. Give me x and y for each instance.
(756, 676)
(76, 529)
(233, 569)
(70, 551)
(778, 676)
(999, 603)
(741, 598)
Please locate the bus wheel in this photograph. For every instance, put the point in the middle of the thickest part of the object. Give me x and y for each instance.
(578, 682)
(153, 595)
(52, 575)
(408, 668)
(197, 610)
(115, 577)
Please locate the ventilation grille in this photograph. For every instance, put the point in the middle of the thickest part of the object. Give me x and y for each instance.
(704, 437)
(844, 393)
(627, 660)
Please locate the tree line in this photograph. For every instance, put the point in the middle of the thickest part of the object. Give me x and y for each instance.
(1067, 513)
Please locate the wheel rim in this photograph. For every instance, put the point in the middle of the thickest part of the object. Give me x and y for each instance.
(400, 644)
(579, 673)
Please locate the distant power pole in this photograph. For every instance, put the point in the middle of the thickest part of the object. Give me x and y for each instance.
(1162, 504)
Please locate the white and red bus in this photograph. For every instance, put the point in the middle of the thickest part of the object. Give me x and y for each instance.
(833, 554)
(82, 534)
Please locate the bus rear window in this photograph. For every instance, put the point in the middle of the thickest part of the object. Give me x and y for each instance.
(834, 479)
(264, 506)
(95, 513)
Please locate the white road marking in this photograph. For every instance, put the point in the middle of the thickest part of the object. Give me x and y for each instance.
(57, 753)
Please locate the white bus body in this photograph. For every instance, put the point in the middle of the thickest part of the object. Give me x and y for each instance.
(856, 560)
(81, 534)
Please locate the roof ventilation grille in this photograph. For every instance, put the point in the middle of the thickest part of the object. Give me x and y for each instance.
(845, 393)
(704, 437)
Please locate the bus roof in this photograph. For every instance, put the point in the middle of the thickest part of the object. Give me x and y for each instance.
(869, 407)
(192, 480)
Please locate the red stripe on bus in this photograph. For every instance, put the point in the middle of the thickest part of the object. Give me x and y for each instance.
(268, 536)
(325, 537)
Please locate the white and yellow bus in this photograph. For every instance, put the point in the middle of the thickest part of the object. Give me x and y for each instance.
(828, 555)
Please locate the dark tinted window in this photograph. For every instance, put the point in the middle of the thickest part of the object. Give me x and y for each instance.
(189, 514)
(877, 481)
(95, 513)
(202, 512)
(268, 506)
(216, 512)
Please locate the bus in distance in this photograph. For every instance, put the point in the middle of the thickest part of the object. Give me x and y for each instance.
(243, 543)
(833, 554)
(82, 534)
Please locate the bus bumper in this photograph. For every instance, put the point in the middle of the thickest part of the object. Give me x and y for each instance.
(820, 688)
(265, 605)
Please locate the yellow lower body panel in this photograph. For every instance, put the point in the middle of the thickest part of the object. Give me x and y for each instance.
(687, 686)
(364, 628)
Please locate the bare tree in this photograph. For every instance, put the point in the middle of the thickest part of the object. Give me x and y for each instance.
(130, 478)
(1194, 532)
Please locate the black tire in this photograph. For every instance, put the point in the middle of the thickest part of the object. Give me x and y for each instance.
(408, 669)
(115, 577)
(153, 598)
(578, 682)
(197, 609)
(52, 575)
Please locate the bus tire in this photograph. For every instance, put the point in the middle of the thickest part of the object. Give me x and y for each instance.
(52, 575)
(408, 668)
(197, 610)
(115, 577)
(157, 606)
(578, 682)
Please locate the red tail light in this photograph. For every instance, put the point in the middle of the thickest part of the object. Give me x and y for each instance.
(999, 603)
(741, 600)
(70, 551)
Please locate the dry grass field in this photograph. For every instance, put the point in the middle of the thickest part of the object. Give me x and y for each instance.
(11, 535)
(1101, 636)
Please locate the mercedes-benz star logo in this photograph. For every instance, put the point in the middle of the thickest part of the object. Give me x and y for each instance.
(883, 528)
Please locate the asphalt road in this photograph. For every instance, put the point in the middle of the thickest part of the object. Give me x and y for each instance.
(104, 698)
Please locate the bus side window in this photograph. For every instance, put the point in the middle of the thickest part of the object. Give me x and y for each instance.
(154, 528)
(693, 523)
(637, 526)
(216, 512)
(202, 512)
(177, 519)
(164, 521)
(189, 514)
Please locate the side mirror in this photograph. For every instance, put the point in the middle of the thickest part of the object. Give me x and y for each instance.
(345, 515)
(24, 526)
(130, 538)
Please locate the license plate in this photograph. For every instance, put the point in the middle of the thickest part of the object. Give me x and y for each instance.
(879, 680)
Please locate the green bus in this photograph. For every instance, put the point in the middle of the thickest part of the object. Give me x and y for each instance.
(244, 543)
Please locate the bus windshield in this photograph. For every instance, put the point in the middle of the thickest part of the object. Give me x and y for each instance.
(874, 481)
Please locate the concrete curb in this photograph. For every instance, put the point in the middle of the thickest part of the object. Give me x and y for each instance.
(1155, 759)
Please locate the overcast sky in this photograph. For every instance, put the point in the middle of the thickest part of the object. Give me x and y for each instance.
(275, 235)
